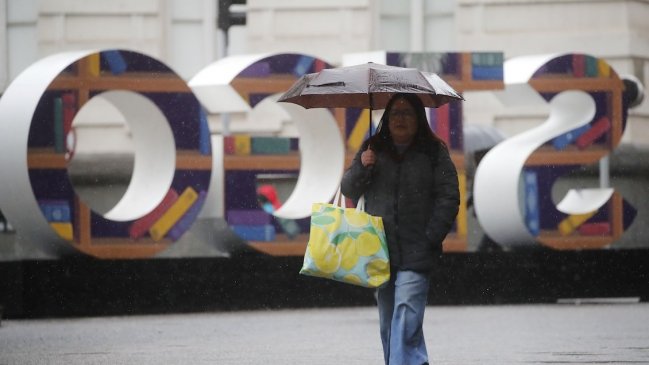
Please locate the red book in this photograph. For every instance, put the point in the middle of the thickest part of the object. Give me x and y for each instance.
(598, 129)
(69, 109)
(578, 65)
(319, 65)
(229, 145)
(595, 229)
(142, 225)
(442, 123)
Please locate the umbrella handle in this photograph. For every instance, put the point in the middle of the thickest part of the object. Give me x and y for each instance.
(370, 113)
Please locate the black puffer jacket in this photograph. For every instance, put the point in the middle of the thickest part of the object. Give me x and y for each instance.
(417, 196)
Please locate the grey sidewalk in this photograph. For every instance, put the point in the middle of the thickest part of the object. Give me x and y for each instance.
(529, 334)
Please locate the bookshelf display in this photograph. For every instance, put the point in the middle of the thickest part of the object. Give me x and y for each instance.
(51, 145)
(464, 71)
(587, 118)
(581, 146)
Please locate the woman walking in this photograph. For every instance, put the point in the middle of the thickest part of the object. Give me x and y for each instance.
(408, 179)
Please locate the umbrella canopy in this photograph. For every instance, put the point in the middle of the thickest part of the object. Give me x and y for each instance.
(369, 85)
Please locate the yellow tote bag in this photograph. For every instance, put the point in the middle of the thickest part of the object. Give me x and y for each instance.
(347, 245)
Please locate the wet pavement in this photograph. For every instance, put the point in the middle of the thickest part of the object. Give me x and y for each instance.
(518, 334)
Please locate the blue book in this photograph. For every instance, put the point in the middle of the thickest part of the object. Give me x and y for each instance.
(532, 214)
(487, 72)
(569, 137)
(303, 65)
(184, 223)
(204, 137)
(55, 210)
(264, 232)
(115, 61)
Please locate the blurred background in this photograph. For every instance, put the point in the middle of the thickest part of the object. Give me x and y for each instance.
(188, 35)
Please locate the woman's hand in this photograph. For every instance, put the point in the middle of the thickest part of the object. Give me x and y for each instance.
(368, 158)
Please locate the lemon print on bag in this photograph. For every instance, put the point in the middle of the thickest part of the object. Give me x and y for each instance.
(325, 255)
(349, 253)
(378, 271)
(356, 219)
(368, 244)
(346, 245)
(327, 218)
(353, 279)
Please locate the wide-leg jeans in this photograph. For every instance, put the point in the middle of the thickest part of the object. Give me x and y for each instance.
(401, 303)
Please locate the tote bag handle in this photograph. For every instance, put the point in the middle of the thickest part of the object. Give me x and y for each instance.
(339, 200)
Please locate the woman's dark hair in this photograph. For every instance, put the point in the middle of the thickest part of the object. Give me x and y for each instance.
(424, 139)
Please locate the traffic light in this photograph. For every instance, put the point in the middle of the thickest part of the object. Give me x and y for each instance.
(228, 18)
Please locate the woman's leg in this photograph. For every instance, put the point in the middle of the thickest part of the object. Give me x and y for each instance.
(407, 344)
(385, 301)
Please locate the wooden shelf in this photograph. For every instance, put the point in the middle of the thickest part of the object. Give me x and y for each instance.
(132, 81)
(573, 242)
(271, 84)
(45, 158)
(547, 155)
(262, 162)
(115, 248)
(282, 246)
(558, 84)
(193, 160)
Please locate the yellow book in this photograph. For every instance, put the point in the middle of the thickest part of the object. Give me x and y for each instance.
(572, 222)
(242, 145)
(357, 134)
(603, 69)
(63, 229)
(173, 214)
(93, 64)
(461, 219)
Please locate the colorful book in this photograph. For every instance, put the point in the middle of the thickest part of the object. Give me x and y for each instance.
(487, 65)
(242, 144)
(64, 230)
(56, 210)
(591, 66)
(319, 65)
(204, 135)
(188, 218)
(248, 217)
(562, 141)
(142, 225)
(69, 110)
(603, 69)
(569, 224)
(160, 228)
(94, 63)
(59, 136)
(578, 65)
(303, 65)
(461, 220)
(532, 209)
(270, 145)
(229, 145)
(597, 130)
(595, 229)
(265, 233)
(115, 61)
(440, 118)
(359, 132)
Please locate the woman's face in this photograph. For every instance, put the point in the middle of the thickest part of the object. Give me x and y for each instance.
(402, 122)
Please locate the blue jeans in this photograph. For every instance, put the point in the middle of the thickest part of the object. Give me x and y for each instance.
(402, 302)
